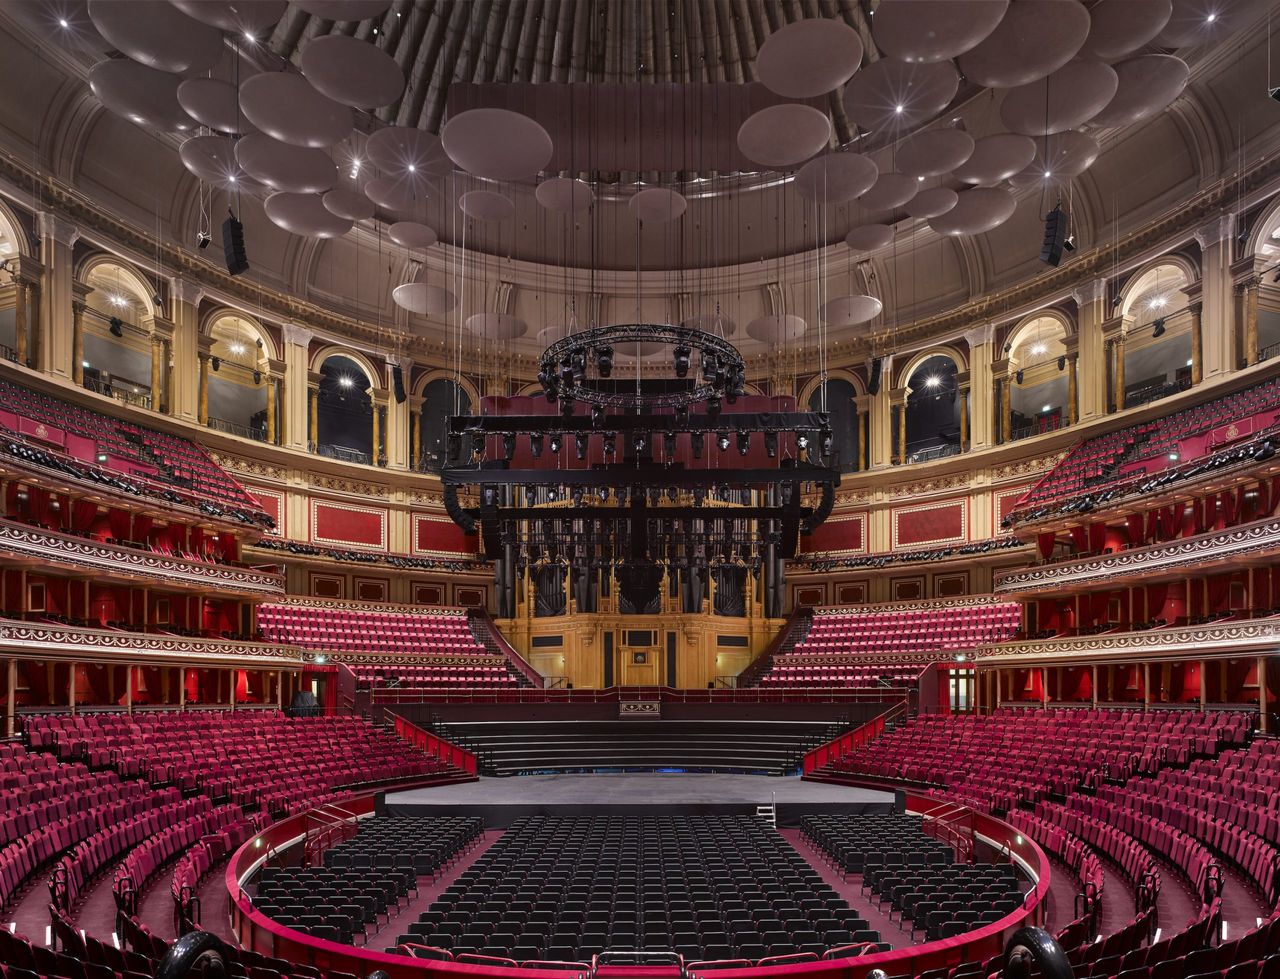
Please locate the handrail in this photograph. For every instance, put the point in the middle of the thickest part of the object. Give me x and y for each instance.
(611, 695)
(750, 671)
(824, 754)
(508, 651)
(436, 746)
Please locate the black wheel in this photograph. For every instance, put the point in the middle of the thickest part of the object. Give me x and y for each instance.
(1035, 945)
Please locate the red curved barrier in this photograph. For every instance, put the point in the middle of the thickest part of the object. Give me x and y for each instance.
(259, 933)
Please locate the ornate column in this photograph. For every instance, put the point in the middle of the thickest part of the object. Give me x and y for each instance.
(415, 432)
(1091, 376)
(202, 391)
(1247, 283)
(20, 321)
(184, 394)
(1117, 354)
(1002, 372)
(1219, 335)
(378, 400)
(398, 423)
(157, 366)
(880, 438)
(57, 239)
(77, 342)
(276, 425)
(962, 392)
(270, 381)
(1073, 381)
(296, 393)
(981, 386)
(1197, 342)
(898, 402)
(313, 410)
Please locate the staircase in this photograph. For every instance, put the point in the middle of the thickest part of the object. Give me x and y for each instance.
(487, 635)
(768, 815)
(788, 638)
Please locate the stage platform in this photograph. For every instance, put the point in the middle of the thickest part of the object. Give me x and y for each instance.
(502, 800)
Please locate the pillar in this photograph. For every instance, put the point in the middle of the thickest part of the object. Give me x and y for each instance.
(898, 403)
(1073, 382)
(1117, 367)
(157, 371)
(313, 416)
(1216, 292)
(1249, 311)
(1263, 707)
(1091, 370)
(20, 321)
(880, 440)
(962, 388)
(77, 342)
(981, 386)
(11, 701)
(57, 293)
(415, 435)
(271, 409)
(202, 398)
(1197, 343)
(375, 450)
(184, 396)
(1204, 685)
(398, 425)
(864, 404)
(295, 397)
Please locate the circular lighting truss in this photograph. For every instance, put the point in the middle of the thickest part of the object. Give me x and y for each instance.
(571, 368)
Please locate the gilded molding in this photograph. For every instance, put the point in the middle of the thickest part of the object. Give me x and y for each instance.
(1263, 536)
(25, 541)
(25, 639)
(350, 606)
(409, 659)
(925, 604)
(1216, 640)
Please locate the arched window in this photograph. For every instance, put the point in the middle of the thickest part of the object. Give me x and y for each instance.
(9, 253)
(1157, 347)
(1038, 362)
(237, 385)
(344, 413)
(933, 410)
(844, 422)
(117, 333)
(440, 399)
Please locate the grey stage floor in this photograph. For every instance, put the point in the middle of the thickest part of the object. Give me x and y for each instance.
(639, 789)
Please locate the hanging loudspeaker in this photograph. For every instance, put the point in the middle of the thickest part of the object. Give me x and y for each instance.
(873, 386)
(1055, 236)
(233, 245)
(397, 381)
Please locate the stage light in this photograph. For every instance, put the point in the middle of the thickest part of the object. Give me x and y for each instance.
(669, 445)
(488, 495)
(566, 372)
(555, 442)
(744, 443)
(802, 440)
(580, 445)
(578, 363)
(1158, 328)
(477, 444)
(597, 415)
(531, 495)
(1264, 452)
(722, 440)
(215, 363)
(1062, 362)
(548, 382)
(604, 361)
(682, 355)
(454, 446)
(257, 377)
(535, 445)
(771, 444)
(508, 446)
(203, 238)
(1019, 375)
(713, 408)
(710, 367)
(639, 442)
(695, 443)
(117, 327)
(566, 405)
(611, 444)
(682, 416)
(826, 441)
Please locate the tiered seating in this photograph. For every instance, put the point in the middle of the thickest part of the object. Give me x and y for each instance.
(1101, 464)
(253, 758)
(134, 452)
(1014, 756)
(473, 678)
(709, 887)
(364, 876)
(358, 630)
(909, 631)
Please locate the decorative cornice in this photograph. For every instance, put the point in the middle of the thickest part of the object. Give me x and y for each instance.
(1261, 537)
(20, 540)
(925, 604)
(411, 659)
(873, 659)
(70, 642)
(353, 606)
(1215, 640)
(250, 467)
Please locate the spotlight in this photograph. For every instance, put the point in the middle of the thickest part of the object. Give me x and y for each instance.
(1062, 362)
(713, 408)
(744, 443)
(1157, 328)
(117, 326)
(531, 495)
(1069, 243)
(566, 405)
(802, 440)
(771, 444)
(580, 444)
(454, 446)
(548, 381)
(535, 445)
(157, 300)
(566, 372)
(215, 363)
(722, 441)
(257, 377)
(578, 361)
(555, 442)
(639, 442)
(683, 353)
(682, 416)
(1264, 452)
(695, 444)
(1275, 93)
(508, 446)
(826, 441)
(611, 444)
(597, 416)
(604, 361)
(669, 445)
(710, 367)
(477, 444)
(203, 238)
(1019, 375)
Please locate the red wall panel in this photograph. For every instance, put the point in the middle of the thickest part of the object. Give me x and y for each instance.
(436, 535)
(272, 501)
(838, 534)
(338, 523)
(934, 523)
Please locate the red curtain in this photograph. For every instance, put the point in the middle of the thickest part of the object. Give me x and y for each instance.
(1045, 544)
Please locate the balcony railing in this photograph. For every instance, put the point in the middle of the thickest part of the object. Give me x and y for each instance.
(235, 428)
(343, 453)
(121, 389)
(8, 353)
(933, 452)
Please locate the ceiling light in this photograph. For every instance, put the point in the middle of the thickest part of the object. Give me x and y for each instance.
(1048, 174)
(63, 23)
(1173, 457)
(899, 109)
(231, 179)
(237, 348)
(118, 300)
(345, 381)
(1188, 361)
(1047, 408)
(413, 168)
(1211, 18)
(932, 381)
(248, 36)
(1157, 302)
(1039, 348)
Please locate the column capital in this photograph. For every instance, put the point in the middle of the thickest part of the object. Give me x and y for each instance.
(55, 226)
(186, 291)
(275, 368)
(963, 378)
(204, 347)
(980, 335)
(299, 336)
(898, 396)
(1090, 292)
(162, 329)
(1215, 230)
